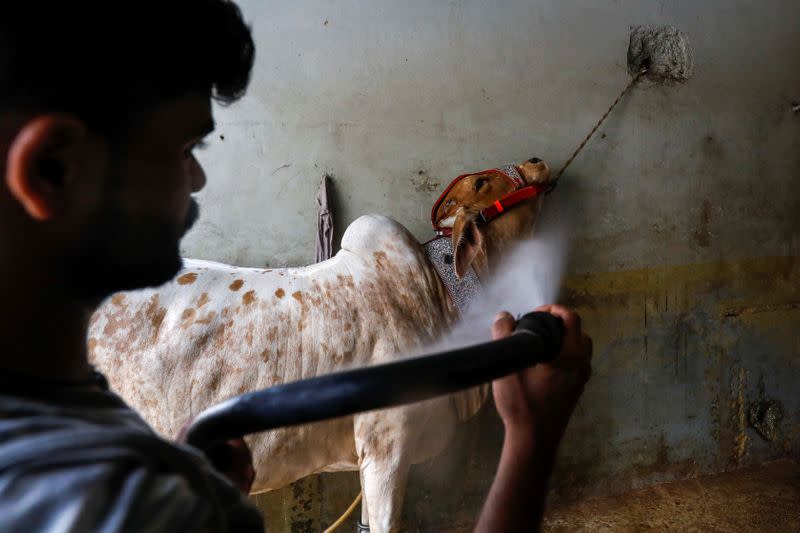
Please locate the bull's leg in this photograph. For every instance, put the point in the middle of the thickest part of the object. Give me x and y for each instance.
(382, 446)
(384, 488)
(363, 524)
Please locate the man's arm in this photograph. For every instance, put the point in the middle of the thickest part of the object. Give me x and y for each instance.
(232, 458)
(535, 406)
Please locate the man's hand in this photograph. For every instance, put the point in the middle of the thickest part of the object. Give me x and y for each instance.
(535, 406)
(538, 402)
(232, 458)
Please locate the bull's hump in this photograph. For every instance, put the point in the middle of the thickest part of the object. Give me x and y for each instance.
(371, 233)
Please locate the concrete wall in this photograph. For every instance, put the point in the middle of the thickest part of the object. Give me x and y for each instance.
(686, 207)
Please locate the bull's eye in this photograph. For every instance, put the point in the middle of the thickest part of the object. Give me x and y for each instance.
(449, 203)
(479, 183)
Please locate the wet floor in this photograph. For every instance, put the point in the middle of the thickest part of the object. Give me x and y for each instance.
(764, 499)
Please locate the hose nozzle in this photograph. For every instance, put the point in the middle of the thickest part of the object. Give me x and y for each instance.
(549, 328)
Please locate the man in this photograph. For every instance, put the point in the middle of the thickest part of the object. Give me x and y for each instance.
(101, 106)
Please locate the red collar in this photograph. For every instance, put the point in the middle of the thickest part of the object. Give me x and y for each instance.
(521, 192)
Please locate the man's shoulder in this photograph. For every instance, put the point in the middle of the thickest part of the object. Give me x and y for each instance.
(62, 415)
(42, 435)
(101, 462)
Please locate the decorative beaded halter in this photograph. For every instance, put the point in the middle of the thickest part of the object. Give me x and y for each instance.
(440, 249)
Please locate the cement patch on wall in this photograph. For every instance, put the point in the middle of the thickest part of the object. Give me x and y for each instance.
(663, 51)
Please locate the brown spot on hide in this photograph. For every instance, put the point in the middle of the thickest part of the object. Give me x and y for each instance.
(203, 339)
(348, 326)
(273, 333)
(114, 322)
(298, 295)
(187, 279)
(92, 344)
(203, 300)
(249, 297)
(280, 293)
(215, 379)
(248, 335)
(118, 299)
(155, 313)
(381, 259)
(219, 337)
(207, 318)
(236, 285)
(265, 355)
(345, 357)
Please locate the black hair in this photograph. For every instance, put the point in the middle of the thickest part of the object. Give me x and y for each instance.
(108, 60)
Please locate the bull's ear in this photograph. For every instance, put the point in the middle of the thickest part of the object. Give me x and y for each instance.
(467, 242)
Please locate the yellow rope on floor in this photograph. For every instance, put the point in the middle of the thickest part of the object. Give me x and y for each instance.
(346, 514)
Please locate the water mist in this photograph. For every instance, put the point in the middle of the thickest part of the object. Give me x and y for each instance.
(529, 276)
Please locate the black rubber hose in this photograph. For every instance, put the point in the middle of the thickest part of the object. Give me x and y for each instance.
(537, 338)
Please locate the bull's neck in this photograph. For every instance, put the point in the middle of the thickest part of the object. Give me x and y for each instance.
(459, 292)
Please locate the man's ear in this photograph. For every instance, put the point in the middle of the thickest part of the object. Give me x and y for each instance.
(42, 159)
(467, 242)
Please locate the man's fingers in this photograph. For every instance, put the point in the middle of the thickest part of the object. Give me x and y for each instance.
(572, 321)
(503, 325)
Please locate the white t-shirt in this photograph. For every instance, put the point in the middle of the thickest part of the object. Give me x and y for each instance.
(78, 459)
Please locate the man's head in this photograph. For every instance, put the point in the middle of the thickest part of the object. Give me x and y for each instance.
(101, 107)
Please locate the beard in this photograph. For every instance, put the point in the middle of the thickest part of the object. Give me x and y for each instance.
(121, 252)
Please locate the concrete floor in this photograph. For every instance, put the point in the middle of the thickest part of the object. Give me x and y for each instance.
(761, 499)
(764, 499)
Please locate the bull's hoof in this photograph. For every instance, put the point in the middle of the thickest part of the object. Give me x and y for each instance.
(361, 528)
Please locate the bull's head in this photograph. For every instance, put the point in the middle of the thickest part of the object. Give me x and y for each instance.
(479, 244)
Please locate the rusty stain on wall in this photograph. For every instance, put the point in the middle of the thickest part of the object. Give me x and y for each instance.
(739, 408)
(702, 235)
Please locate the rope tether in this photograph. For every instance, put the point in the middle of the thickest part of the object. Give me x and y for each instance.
(599, 122)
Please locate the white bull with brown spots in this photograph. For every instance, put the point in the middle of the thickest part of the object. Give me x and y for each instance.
(219, 331)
